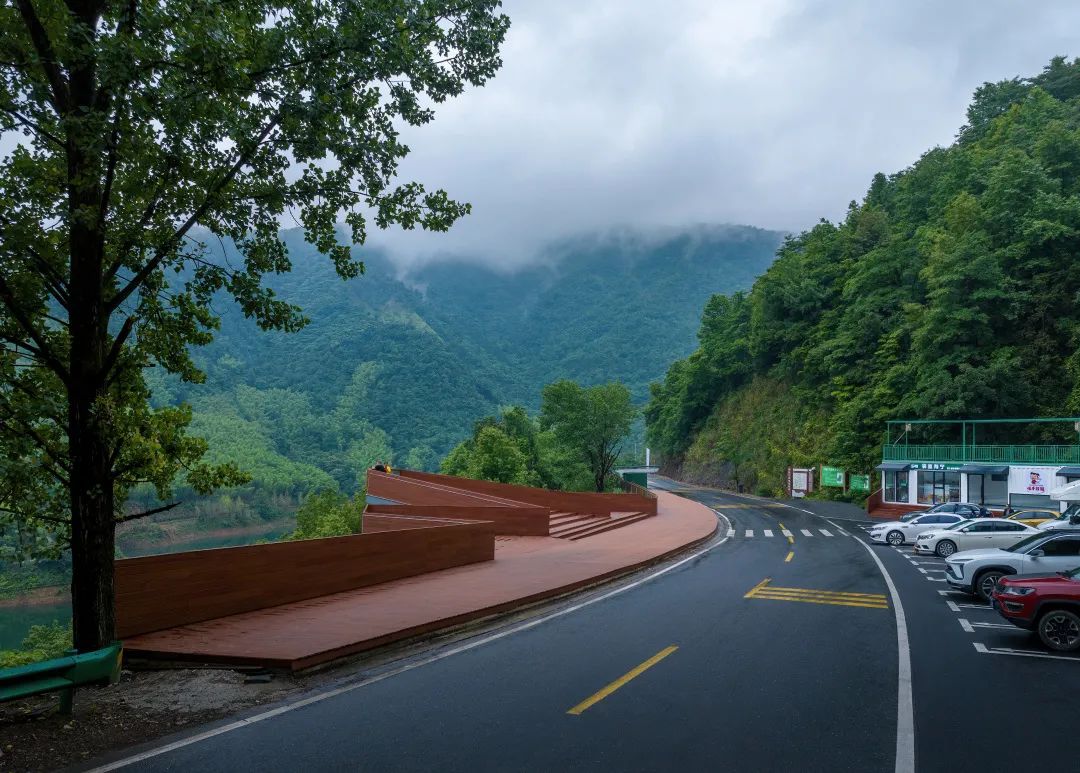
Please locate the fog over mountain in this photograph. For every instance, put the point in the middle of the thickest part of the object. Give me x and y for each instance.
(772, 113)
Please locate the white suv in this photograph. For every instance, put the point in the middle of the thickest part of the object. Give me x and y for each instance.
(977, 571)
(898, 533)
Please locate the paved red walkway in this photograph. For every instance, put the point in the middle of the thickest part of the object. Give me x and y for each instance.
(307, 633)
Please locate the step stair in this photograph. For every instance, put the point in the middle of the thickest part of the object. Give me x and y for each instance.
(572, 525)
(608, 525)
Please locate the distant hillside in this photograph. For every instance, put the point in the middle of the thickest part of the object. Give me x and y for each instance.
(405, 365)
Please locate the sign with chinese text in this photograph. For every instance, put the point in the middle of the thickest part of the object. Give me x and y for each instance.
(859, 482)
(832, 476)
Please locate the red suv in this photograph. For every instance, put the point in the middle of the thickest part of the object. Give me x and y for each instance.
(1050, 606)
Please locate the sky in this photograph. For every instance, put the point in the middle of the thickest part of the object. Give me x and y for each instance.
(609, 114)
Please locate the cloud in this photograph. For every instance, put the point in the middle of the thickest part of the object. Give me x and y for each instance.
(772, 113)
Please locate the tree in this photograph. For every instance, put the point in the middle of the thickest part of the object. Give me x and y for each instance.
(328, 513)
(147, 130)
(592, 422)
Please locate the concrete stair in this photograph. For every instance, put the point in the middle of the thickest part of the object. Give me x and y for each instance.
(575, 526)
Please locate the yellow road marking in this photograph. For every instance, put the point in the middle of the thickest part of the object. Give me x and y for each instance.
(832, 602)
(634, 672)
(838, 598)
(790, 540)
(757, 587)
(790, 555)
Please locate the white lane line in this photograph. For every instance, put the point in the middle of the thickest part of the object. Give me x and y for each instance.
(966, 625)
(749, 532)
(807, 533)
(730, 533)
(826, 532)
(934, 579)
(318, 698)
(786, 533)
(767, 532)
(843, 532)
(983, 607)
(953, 606)
(928, 571)
(905, 712)
(1020, 653)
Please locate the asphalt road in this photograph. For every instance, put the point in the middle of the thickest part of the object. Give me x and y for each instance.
(685, 672)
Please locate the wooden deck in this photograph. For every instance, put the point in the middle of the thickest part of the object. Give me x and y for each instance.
(308, 633)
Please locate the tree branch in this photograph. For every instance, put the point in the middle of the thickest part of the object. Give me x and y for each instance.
(118, 345)
(40, 38)
(145, 513)
(44, 350)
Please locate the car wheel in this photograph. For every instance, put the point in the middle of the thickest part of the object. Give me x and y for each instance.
(945, 548)
(985, 582)
(1059, 629)
(895, 538)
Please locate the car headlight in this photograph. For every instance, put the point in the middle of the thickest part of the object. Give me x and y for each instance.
(926, 535)
(1016, 590)
(959, 560)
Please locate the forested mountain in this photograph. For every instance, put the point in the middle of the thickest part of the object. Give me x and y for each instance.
(402, 365)
(950, 291)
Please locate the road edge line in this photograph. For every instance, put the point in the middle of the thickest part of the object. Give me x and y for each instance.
(905, 711)
(318, 697)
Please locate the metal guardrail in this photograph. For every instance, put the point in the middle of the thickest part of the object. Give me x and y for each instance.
(999, 454)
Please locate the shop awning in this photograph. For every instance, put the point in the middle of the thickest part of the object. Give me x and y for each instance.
(985, 469)
(1069, 472)
(893, 467)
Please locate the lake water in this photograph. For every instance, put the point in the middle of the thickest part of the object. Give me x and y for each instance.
(15, 622)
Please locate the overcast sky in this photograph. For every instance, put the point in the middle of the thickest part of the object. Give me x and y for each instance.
(773, 113)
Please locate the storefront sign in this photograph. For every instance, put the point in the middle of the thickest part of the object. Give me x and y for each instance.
(859, 482)
(1031, 480)
(935, 466)
(832, 476)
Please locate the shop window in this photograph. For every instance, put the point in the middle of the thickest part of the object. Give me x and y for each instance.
(896, 486)
(937, 486)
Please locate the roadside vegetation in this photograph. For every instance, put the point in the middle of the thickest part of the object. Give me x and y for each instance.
(949, 291)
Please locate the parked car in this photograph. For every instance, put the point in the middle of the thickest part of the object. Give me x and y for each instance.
(898, 533)
(977, 571)
(1069, 519)
(963, 509)
(979, 533)
(1034, 516)
(1046, 604)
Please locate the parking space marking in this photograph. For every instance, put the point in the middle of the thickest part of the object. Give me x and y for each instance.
(934, 579)
(970, 627)
(927, 571)
(983, 649)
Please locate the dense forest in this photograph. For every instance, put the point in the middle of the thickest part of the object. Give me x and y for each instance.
(950, 291)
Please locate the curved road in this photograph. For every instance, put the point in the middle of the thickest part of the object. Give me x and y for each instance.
(683, 671)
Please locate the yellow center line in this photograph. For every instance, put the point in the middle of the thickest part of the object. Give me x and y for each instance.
(826, 596)
(817, 592)
(833, 602)
(790, 555)
(632, 673)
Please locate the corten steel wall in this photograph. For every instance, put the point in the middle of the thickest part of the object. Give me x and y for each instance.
(517, 521)
(570, 501)
(157, 592)
(414, 491)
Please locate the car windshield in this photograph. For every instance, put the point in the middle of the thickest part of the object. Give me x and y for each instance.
(908, 517)
(1023, 544)
(957, 525)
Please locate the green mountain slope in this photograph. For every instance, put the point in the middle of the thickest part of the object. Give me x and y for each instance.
(406, 364)
(950, 291)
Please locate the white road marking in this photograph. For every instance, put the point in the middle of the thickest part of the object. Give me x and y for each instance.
(807, 533)
(826, 532)
(953, 606)
(730, 533)
(322, 696)
(927, 571)
(934, 579)
(1020, 653)
(749, 532)
(966, 625)
(786, 533)
(767, 532)
(905, 712)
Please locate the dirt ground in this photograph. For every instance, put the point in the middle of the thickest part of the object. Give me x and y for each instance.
(142, 706)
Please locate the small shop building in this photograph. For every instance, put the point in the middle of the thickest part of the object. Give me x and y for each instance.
(990, 474)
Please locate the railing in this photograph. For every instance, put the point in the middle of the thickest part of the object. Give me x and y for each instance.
(1029, 454)
(630, 488)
